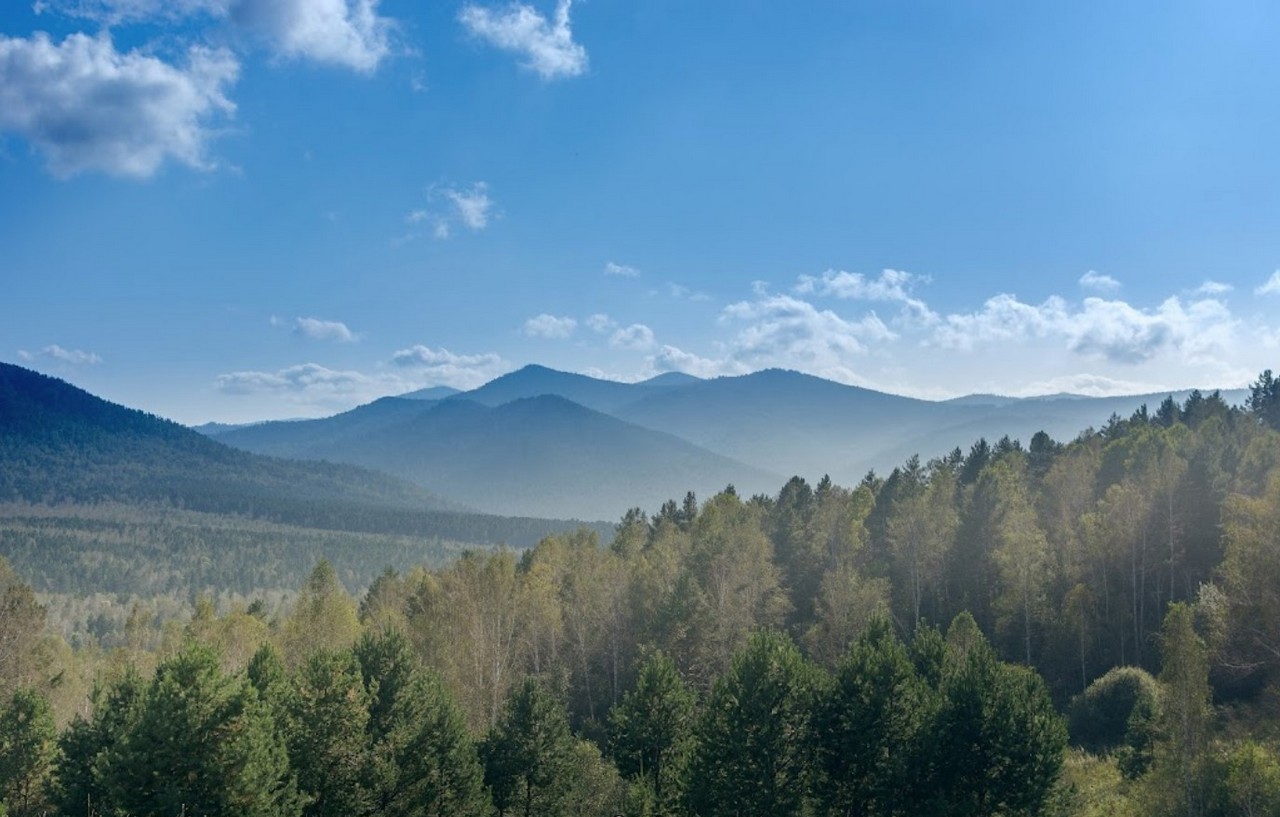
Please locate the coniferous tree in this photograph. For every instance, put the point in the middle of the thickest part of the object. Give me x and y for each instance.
(651, 732)
(754, 737)
(867, 729)
(27, 749)
(530, 756)
(204, 743)
(79, 786)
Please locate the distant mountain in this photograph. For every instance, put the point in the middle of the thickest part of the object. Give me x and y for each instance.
(542, 455)
(60, 444)
(600, 395)
(431, 393)
(800, 424)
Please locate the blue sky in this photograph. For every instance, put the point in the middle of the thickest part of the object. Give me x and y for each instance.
(247, 209)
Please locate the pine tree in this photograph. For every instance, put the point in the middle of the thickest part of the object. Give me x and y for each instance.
(651, 731)
(529, 757)
(204, 743)
(753, 756)
(27, 747)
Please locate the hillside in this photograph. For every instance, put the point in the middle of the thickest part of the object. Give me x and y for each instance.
(62, 445)
(536, 455)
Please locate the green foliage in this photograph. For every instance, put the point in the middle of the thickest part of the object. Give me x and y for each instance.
(203, 743)
(422, 759)
(80, 784)
(27, 747)
(328, 716)
(651, 732)
(868, 729)
(530, 756)
(753, 740)
(1264, 400)
(323, 618)
(998, 742)
(21, 622)
(1118, 713)
(1245, 780)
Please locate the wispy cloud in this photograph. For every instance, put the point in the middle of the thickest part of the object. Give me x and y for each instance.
(620, 270)
(317, 329)
(549, 326)
(1212, 288)
(601, 323)
(471, 207)
(637, 337)
(1097, 282)
(546, 46)
(86, 106)
(440, 367)
(684, 293)
(891, 286)
(72, 357)
(1272, 285)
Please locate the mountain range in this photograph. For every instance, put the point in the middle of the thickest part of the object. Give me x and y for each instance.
(543, 442)
(61, 445)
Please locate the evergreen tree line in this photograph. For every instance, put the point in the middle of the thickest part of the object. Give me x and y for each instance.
(939, 727)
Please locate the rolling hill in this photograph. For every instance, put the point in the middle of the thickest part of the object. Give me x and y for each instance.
(601, 445)
(62, 445)
(540, 454)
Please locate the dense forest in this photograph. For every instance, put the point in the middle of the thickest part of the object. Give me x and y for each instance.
(927, 642)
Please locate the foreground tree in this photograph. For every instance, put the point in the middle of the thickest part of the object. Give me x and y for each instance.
(867, 729)
(651, 732)
(79, 783)
(530, 756)
(998, 742)
(753, 753)
(26, 752)
(422, 760)
(203, 743)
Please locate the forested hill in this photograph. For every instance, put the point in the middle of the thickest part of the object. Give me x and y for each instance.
(531, 456)
(60, 444)
(606, 446)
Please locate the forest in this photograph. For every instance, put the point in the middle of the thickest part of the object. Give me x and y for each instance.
(1080, 628)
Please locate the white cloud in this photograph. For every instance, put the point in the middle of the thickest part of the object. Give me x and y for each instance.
(621, 270)
(440, 367)
(547, 46)
(471, 206)
(783, 328)
(317, 382)
(1211, 288)
(674, 359)
(549, 326)
(1098, 282)
(317, 329)
(1112, 330)
(684, 293)
(1089, 385)
(86, 106)
(1271, 287)
(346, 33)
(893, 286)
(601, 323)
(637, 336)
(73, 357)
(1002, 318)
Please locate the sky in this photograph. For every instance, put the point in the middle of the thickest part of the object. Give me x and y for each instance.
(238, 210)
